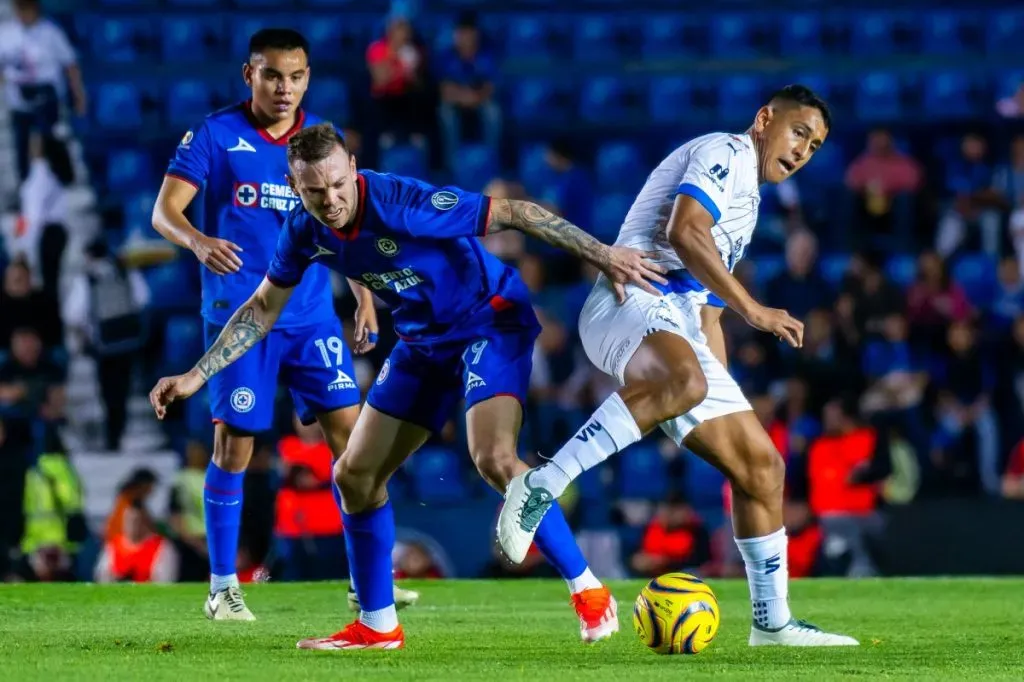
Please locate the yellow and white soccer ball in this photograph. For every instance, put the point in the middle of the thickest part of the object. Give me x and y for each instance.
(676, 613)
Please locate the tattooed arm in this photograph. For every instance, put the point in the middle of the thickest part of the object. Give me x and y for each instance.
(251, 322)
(622, 265)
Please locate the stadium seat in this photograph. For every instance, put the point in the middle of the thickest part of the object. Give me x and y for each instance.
(948, 95)
(800, 34)
(477, 165)
(619, 164)
(436, 475)
(117, 39)
(183, 343)
(1004, 32)
(138, 209)
(603, 100)
(669, 37)
(976, 273)
(944, 32)
(644, 473)
(733, 36)
(187, 102)
(534, 172)
(702, 483)
(669, 99)
(174, 286)
(242, 29)
(609, 212)
(404, 160)
(185, 39)
(329, 99)
(531, 36)
(596, 39)
(324, 34)
(873, 33)
(536, 100)
(878, 97)
(129, 170)
(767, 268)
(738, 98)
(118, 106)
(901, 269)
(833, 267)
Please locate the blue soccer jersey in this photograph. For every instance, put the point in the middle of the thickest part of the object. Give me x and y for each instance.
(465, 320)
(241, 174)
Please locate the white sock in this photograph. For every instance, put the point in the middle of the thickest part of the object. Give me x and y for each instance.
(381, 620)
(768, 577)
(610, 429)
(584, 581)
(219, 583)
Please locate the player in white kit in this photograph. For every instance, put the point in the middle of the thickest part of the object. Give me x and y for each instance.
(698, 211)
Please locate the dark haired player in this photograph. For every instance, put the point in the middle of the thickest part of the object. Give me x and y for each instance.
(467, 332)
(698, 211)
(237, 158)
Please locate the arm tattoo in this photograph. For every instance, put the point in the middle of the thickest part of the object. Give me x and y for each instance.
(243, 331)
(531, 219)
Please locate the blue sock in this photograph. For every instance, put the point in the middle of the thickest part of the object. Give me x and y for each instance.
(556, 542)
(336, 492)
(369, 539)
(222, 501)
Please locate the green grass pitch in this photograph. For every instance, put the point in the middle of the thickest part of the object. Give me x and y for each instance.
(964, 629)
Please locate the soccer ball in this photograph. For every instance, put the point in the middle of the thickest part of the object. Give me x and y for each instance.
(676, 613)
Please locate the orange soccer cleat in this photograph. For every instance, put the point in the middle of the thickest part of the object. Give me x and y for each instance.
(357, 636)
(598, 612)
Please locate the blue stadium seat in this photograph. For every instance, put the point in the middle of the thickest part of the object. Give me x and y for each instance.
(878, 97)
(873, 33)
(665, 37)
(185, 39)
(702, 484)
(732, 36)
(477, 165)
(948, 95)
(329, 98)
(534, 171)
(609, 212)
(531, 36)
(174, 286)
(118, 106)
(944, 32)
(1007, 83)
(767, 268)
(404, 160)
(1005, 32)
(536, 99)
(117, 39)
(436, 475)
(205, 4)
(801, 34)
(644, 472)
(669, 99)
(618, 164)
(901, 269)
(187, 102)
(976, 273)
(595, 39)
(603, 100)
(183, 342)
(324, 34)
(129, 170)
(738, 98)
(833, 267)
(138, 210)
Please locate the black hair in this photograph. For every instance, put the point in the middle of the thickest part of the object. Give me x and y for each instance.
(277, 39)
(803, 96)
(314, 143)
(467, 19)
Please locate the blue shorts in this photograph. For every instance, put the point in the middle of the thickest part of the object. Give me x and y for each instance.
(421, 383)
(312, 362)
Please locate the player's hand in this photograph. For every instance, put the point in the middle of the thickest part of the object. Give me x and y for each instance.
(624, 265)
(169, 389)
(778, 322)
(219, 255)
(365, 335)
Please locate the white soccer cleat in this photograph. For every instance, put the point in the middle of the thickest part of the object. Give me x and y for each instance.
(403, 598)
(520, 516)
(798, 633)
(227, 605)
(598, 614)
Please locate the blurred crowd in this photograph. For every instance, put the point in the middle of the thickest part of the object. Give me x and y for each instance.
(910, 383)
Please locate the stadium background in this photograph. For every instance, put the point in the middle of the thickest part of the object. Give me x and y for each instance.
(901, 419)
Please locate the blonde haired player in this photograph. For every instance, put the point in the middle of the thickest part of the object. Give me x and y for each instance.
(698, 211)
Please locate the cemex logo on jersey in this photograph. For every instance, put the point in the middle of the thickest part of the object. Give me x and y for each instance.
(718, 174)
(589, 430)
(264, 195)
(342, 382)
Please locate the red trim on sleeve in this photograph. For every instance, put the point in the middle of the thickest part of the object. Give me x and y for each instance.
(485, 214)
(178, 176)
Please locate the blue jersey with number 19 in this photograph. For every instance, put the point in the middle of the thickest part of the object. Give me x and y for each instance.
(241, 173)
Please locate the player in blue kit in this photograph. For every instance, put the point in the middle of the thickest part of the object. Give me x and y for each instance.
(237, 158)
(467, 331)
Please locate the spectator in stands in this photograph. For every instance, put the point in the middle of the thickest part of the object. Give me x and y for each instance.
(1012, 106)
(674, 540)
(933, 302)
(884, 182)
(104, 311)
(1008, 399)
(55, 523)
(800, 288)
(188, 513)
(137, 554)
(1008, 303)
(1011, 180)
(1013, 476)
(571, 192)
(38, 64)
(25, 308)
(805, 539)
(414, 561)
(398, 77)
(134, 491)
(968, 426)
(873, 297)
(16, 451)
(467, 73)
(974, 201)
(31, 385)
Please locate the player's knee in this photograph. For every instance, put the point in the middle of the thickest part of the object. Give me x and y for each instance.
(680, 393)
(232, 448)
(497, 465)
(358, 482)
(762, 475)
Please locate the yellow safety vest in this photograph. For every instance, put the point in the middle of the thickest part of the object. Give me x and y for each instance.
(53, 493)
(190, 484)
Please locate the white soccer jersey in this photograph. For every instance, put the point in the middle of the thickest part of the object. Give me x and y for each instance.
(720, 171)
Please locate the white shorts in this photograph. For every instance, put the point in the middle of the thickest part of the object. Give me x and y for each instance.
(611, 334)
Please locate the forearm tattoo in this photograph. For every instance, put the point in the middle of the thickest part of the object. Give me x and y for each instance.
(531, 219)
(243, 331)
